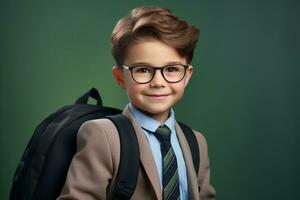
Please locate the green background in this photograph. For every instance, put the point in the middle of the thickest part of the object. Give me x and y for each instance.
(243, 95)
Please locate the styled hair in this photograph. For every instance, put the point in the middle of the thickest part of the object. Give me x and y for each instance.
(156, 22)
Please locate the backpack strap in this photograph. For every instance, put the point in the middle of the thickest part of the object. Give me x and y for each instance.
(192, 141)
(127, 174)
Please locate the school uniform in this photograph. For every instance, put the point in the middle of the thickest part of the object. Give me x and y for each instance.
(93, 170)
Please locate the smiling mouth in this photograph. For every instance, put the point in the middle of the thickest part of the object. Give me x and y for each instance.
(157, 96)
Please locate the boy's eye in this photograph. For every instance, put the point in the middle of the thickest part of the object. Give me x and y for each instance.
(142, 69)
(172, 68)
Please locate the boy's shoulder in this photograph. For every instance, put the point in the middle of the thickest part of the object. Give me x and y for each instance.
(199, 135)
(96, 128)
(201, 141)
(102, 123)
(196, 132)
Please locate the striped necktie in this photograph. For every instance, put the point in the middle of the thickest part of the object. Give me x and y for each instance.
(170, 173)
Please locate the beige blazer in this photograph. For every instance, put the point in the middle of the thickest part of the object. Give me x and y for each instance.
(93, 169)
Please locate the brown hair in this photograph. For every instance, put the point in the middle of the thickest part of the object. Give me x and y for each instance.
(156, 22)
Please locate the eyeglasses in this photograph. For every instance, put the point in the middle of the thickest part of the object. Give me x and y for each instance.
(144, 74)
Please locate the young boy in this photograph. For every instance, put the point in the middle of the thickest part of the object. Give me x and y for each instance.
(153, 50)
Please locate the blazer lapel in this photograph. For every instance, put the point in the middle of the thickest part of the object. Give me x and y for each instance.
(146, 156)
(192, 176)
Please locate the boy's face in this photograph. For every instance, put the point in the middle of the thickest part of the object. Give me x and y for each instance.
(156, 97)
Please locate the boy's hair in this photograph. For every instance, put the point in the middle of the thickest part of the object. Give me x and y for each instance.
(156, 22)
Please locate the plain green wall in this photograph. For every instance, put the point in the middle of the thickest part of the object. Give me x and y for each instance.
(243, 95)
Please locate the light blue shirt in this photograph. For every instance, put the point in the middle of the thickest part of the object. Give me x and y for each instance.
(151, 125)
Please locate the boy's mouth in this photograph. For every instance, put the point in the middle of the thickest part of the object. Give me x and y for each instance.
(157, 96)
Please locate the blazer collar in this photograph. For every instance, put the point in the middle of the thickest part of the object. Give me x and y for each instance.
(192, 176)
(146, 156)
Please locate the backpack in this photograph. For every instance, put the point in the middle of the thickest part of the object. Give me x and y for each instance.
(43, 168)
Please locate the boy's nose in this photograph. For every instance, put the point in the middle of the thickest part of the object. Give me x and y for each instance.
(158, 79)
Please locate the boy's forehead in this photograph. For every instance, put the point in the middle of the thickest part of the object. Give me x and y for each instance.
(152, 52)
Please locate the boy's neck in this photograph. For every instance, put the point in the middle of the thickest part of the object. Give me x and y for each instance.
(161, 117)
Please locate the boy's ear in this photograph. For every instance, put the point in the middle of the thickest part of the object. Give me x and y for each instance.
(188, 75)
(118, 75)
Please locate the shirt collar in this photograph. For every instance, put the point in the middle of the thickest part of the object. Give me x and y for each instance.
(149, 123)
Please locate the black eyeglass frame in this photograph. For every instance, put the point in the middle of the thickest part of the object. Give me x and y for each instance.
(130, 68)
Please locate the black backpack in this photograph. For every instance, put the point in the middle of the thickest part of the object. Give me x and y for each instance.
(42, 170)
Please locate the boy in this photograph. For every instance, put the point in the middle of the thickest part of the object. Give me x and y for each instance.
(153, 50)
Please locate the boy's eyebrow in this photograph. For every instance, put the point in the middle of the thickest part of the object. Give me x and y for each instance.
(149, 64)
